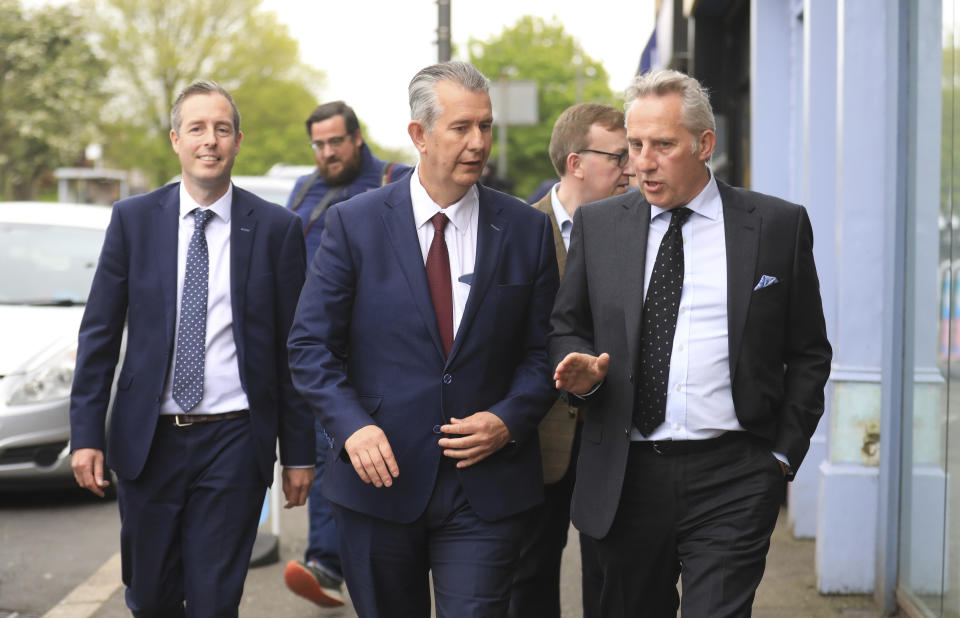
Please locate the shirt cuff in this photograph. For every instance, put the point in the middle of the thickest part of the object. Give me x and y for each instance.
(593, 390)
(782, 459)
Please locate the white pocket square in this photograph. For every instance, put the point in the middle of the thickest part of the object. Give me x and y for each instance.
(765, 281)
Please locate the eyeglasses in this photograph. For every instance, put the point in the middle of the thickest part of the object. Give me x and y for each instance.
(621, 157)
(333, 142)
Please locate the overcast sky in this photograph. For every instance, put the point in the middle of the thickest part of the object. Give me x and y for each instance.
(369, 49)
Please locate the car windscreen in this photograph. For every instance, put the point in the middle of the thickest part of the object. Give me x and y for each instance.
(47, 264)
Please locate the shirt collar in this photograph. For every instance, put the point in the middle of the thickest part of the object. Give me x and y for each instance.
(221, 207)
(707, 203)
(558, 210)
(424, 208)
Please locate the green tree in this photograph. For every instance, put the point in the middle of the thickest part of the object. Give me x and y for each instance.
(157, 47)
(50, 94)
(539, 50)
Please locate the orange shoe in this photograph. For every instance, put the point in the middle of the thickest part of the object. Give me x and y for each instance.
(313, 584)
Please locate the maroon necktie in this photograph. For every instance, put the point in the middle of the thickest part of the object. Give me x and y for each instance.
(438, 278)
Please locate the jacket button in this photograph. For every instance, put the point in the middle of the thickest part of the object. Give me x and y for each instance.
(436, 429)
(447, 378)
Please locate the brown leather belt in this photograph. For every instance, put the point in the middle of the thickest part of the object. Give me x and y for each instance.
(185, 420)
(687, 447)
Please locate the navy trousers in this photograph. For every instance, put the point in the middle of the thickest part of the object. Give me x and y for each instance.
(189, 520)
(323, 544)
(386, 564)
(706, 517)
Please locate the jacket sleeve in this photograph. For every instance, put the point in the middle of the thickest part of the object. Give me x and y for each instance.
(295, 432)
(99, 340)
(319, 338)
(807, 353)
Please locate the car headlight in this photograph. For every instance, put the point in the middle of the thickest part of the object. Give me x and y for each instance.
(47, 381)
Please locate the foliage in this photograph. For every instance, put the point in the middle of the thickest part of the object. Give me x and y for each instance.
(50, 93)
(155, 48)
(535, 49)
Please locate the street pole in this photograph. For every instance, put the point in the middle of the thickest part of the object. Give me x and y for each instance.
(443, 30)
(502, 128)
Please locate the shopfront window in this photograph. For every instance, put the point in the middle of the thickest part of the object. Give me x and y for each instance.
(930, 516)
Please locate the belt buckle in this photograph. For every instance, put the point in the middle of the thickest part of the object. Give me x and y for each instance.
(656, 448)
(176, 421)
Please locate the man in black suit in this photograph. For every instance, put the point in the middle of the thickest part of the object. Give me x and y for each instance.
(689, 325)
(203, 279)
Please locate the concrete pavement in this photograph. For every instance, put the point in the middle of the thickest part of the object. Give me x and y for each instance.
(788, 588)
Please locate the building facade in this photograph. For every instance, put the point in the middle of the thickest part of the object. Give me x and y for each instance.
(852, 108)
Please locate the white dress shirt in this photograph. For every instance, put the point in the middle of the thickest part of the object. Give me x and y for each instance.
(699, 393)
(222, 391)
(563, 219)
(460, 235)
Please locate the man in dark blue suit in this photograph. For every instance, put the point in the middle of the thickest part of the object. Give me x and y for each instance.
(419, 341)
(205, 277)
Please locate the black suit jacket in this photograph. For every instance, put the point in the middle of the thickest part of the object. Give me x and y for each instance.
(135, 285)
(779, 354)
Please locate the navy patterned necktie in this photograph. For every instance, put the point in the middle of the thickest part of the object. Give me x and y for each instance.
(658, 325)
(192, 334)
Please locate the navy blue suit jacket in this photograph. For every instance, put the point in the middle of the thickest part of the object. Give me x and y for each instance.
(365, 349)
(136, 282)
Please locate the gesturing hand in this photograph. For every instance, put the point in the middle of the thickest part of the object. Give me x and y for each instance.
(371, 456)
(480, 435)
(578, 373)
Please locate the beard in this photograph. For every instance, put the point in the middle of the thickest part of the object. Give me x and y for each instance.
(350, 168)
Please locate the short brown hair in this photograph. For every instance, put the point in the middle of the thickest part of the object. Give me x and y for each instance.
(571, 130)
(202, 87)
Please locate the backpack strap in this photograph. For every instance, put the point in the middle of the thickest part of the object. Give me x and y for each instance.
(387, 172)
(322, 206)
(302, 191)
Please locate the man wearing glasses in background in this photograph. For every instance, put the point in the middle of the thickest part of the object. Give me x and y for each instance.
(588, 148)
(345, 168)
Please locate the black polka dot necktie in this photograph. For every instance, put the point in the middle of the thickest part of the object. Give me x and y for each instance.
(192, 334)
(659, 322)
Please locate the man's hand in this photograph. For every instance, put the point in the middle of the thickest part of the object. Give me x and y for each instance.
(578, 373)
(88, 469)
(371, 456)
(296, 486)
(480, 435)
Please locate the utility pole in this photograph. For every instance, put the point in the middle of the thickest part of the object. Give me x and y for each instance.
(443, 30)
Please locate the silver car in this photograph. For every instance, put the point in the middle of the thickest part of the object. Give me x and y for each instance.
(48, 254)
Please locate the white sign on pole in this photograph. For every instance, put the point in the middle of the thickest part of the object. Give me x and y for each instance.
(515, 101)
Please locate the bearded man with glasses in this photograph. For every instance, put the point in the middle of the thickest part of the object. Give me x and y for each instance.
(345, 168)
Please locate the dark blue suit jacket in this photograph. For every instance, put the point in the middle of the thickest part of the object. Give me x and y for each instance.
(365, 349)
(136, 282)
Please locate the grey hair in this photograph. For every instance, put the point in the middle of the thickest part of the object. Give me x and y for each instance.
(696, 112)
(424, 106)
(202, 87)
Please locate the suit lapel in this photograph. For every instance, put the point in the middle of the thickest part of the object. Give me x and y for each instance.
(402, 234)
(546, 206)
(166, 220)
(491, 229)
(243, 225)
(632, 227)
(741, 228)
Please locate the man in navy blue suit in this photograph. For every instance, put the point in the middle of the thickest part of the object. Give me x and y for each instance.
(419, 341)
(205, 276)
